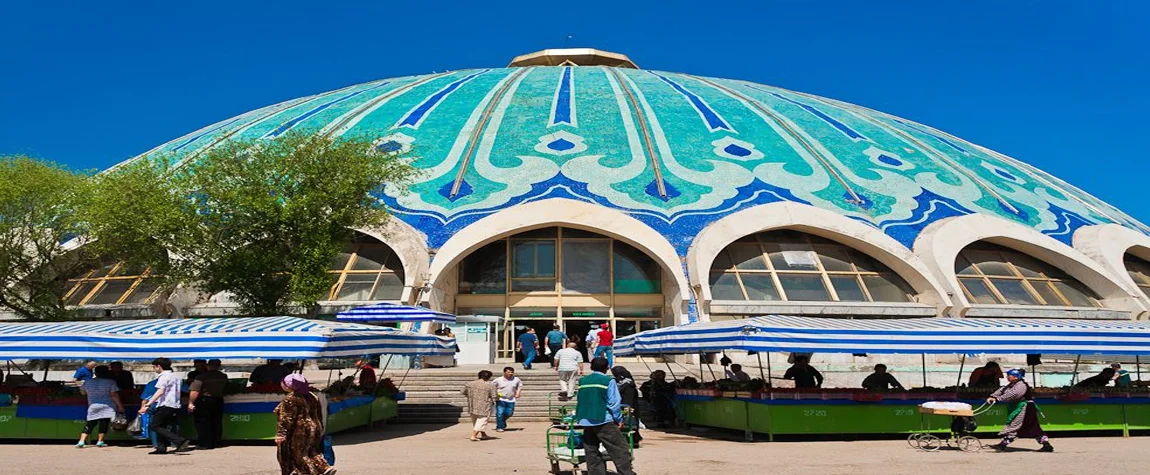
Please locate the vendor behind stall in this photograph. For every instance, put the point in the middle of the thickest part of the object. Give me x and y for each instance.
(122, 377)
(84, 373)
(736, 373)
(803, 374)
(1121, 376)
(986, 376)
(367, 377)
(1097, 381)
(272, 372)
(880, 380)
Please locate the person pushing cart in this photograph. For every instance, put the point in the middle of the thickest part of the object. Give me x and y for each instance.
(1022, 415)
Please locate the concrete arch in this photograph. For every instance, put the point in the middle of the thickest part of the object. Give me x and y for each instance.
(809, 219)
(939, 244)
(410, 246)
(567, 213)
(1108, 245)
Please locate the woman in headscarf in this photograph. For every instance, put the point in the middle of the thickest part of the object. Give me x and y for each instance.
(300, 431)
(629, 394)
(1022, 413)
(660, 395)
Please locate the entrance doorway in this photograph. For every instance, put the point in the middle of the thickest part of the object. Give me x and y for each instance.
(519, 327)
(577, 331)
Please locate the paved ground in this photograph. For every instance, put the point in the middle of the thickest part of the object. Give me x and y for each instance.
(428, 450)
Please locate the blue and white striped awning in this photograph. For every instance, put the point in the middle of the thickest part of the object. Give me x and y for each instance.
(917, 335)
(391, 312)
(224, 338)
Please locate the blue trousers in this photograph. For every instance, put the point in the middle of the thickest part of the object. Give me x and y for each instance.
(503, 411)
(606, 350)
(528, 357)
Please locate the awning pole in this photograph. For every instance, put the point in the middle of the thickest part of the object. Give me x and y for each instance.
(769, 372)
(404, 377)
(641, 360)
(1138, 366)
(1074, 377)
(761, 373)
(700, 367)
(673, 377)
(711, 369)
(924, 370)
(961, 365)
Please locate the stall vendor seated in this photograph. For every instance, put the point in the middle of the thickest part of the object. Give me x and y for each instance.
(990, 375)
(367, 377)
(881, 380)
(736, 373)
(1097, 381)
(272, 372)
(1121, 376)
(803, 374)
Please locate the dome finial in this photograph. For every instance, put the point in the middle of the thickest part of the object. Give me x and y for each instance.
(573, 57)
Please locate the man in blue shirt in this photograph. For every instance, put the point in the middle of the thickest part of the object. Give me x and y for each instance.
(598, 413)
(528, 345)
(83, 374)
(556, 341)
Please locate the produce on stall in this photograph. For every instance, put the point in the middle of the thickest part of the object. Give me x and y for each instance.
(53, 410)
(776, 411)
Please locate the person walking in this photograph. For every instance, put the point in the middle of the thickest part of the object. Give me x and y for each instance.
(198, 366)
(299, 431)
(103, 395)
(167, 400)
(556, 341)
(569, 365)
(598, 413)
(481, 397)
(508, 388)
(1022, 415)
(528, 344)
(206, 403)
(629, 395)
(604, 341)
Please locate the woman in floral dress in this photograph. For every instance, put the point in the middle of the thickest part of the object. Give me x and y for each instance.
(300, 430)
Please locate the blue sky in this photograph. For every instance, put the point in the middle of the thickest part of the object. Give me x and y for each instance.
(1059, 84)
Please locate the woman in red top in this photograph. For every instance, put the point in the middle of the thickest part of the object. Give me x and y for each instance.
(606, 339)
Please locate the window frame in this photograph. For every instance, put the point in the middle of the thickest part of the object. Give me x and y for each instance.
(1003, 255)
(100, 282)
(359, 244)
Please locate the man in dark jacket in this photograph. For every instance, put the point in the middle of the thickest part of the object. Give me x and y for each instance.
(599, 414)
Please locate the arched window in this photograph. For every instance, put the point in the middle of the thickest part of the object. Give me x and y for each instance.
(367, 269)
(115, 283)
(794, 266)
(1139, 270)
(992, 274)
(559, 260)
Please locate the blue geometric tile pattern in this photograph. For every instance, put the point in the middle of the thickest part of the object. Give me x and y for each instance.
(675, 151)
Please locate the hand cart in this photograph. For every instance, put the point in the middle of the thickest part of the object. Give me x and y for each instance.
(559, 407)
(565, 444)
(961, 427)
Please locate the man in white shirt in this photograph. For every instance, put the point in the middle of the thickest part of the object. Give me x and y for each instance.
(167, 399)
(570, 366)
(508, 387)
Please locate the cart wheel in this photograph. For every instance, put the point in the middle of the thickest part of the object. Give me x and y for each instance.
(913, 439)
(929, 443)
(969, 444)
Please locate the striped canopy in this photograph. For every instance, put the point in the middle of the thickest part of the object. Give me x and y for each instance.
(391, 312)
(917, 335)
(223, 338)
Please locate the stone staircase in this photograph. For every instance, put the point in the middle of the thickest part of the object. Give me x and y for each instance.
(433, 395)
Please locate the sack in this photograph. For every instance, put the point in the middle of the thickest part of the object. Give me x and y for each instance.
(137, 426)
(327, 450)
(120, 422)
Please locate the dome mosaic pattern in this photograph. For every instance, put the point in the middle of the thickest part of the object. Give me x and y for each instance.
(675, 151)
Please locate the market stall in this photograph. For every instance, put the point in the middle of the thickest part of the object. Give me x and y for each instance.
(386, 312)
(755, 407)
(53, 410)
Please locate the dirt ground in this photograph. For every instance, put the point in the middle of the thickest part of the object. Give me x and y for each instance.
(428, 450)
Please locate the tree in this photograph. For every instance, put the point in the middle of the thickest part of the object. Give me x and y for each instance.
(262, 220)
(39, 203)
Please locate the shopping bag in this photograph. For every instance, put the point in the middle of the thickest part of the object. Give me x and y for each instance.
(137, 426)
(328, 450)
(120, 422)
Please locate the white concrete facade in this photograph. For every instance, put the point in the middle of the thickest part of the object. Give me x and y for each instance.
(1108, 245)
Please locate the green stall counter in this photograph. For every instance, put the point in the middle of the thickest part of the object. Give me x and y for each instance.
(10, 425)
(893, 416)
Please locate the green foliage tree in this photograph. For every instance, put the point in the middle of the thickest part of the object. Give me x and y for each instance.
(39, 213)
(262, 220)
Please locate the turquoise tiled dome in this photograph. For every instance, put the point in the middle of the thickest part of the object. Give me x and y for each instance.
(673, 150)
